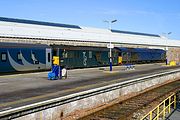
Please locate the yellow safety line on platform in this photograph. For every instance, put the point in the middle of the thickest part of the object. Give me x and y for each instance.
(162, 109)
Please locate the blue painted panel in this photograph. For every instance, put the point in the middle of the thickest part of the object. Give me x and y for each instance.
(122, 49)
(5, 66)
(38, 22)
(134, 33)
(144, 54)
(21, 45)
(151, 55)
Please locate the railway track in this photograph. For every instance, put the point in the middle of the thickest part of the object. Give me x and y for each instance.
(124, 110)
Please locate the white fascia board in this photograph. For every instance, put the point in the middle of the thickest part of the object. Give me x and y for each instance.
(85, 34)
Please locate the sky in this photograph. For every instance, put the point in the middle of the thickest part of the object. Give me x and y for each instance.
(146, 16)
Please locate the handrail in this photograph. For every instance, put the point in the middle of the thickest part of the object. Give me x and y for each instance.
(160, 110)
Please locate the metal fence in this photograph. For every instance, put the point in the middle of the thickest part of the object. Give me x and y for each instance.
(163, 109)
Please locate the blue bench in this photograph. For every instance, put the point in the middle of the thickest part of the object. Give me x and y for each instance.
(130, 66)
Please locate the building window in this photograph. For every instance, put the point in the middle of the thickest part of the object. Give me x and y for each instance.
(3, 57)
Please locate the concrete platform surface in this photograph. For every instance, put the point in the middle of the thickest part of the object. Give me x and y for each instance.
(22, 89)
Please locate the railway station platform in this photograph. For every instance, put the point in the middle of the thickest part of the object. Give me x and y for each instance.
(23, 89)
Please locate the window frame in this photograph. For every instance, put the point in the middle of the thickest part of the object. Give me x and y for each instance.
(4, 53)
(90, 54)
(18, 55)
(49, 57)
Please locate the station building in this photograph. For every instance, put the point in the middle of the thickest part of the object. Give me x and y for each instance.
(30, 31)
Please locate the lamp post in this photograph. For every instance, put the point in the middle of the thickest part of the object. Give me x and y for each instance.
(110, 45)
(166, 48)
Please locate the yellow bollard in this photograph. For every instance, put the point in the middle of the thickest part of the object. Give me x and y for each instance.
(172, 63)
